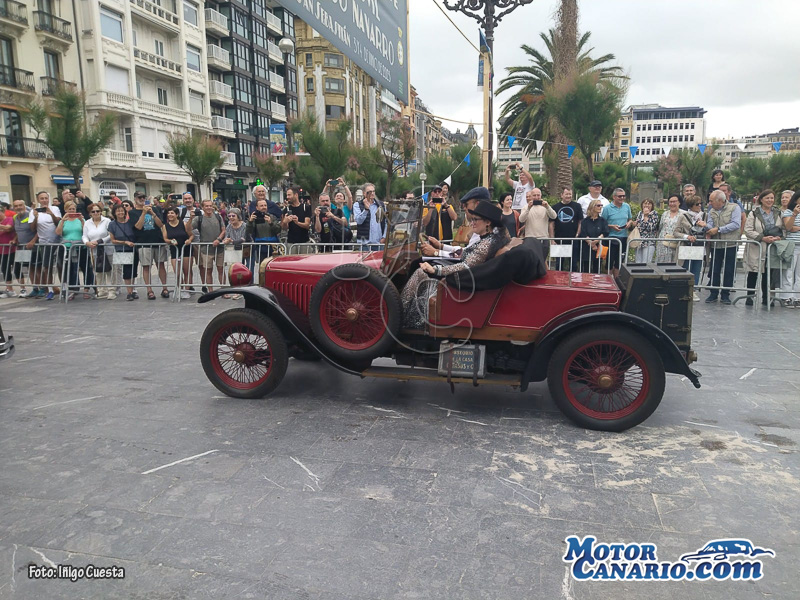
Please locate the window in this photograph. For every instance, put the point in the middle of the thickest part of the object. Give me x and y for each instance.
(292, 80)
(162, 97)
(262, 96)
(309, 59)
(117, 80)
(623, 155)
(625, 131)
(244, 121)
(111, 25)
(259, 7)
(623, 143)
(263, 125)
(193, 58)
(691, 138)
(197, 103)
(190, 12)
(692, 125)
(309, 84)
(334, 85)
(139, 90)
(241, 55)
(245, 154)
(680, 138)
(288, 24)
(147, 138)
(334, 112)
(334, 60)
(134, 34)
(244, 89)
(259, 34)
(638, 128)
(163, 144)
(261, 65)
(241, 23)
(51, 65)
(649, 128)
(127, 136)
(291, 107)
(159, 47)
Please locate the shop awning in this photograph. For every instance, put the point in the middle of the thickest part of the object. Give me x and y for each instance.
(65, 179)
(168, 177)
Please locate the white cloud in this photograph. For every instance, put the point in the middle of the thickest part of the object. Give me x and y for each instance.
(738, 59)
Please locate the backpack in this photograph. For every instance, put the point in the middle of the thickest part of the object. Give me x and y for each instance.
(200, 222)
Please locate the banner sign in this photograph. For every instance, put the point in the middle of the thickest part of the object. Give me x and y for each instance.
(372, 33)
(297, 143)
(277, 139)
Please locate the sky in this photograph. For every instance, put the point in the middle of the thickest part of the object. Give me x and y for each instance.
(737, 59)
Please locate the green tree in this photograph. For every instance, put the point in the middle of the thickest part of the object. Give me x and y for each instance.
(524, 114)
(329, 151)
(270, 169)
(587, 108)
(198, 154)
(393, 154)
(667, 171)
(695, 167)
(749, 175)
(61, 124)
(613, 174)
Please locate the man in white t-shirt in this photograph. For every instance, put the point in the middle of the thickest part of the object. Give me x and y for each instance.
(595, 187)
(521, 187)
(44, 222)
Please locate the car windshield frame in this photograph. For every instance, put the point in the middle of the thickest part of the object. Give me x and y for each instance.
(403, 229)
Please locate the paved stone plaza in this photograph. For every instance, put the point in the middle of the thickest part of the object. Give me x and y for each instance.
(340, 488)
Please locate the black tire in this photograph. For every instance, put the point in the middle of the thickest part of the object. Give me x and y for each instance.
(345, 313)
(606, 378)
(232, 351)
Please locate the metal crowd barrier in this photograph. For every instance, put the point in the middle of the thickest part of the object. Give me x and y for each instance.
(575, 254)
(42, 265)
(781, 294)
(202, 258)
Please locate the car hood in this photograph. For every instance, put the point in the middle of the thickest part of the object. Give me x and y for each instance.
(322, 263)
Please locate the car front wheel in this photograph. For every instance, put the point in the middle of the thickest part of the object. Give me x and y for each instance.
(244, 353)
(605, 378)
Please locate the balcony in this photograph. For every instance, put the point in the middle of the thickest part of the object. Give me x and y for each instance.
(222, 126)
(117, 158)
(278, 112)
(155, 14)
(220, 92)
(274, 52)
(230, 161)
(21, 81)
(159, 110)
(50, 85)
(276, 83)
(199, 120)
(52, 27)
(216, 22)
(157, 63)
(115, 101)
(14, 15)
(274, 24)
(218, 58)
(20, 147)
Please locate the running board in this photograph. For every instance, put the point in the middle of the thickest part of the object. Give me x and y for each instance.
(417, 374)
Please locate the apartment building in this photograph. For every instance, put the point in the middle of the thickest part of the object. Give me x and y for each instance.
(730, 150)
(143, 61)
(618, 146)
(38, 53)
(655, 126)
(516, 155)
(335, 88)
(252, 84)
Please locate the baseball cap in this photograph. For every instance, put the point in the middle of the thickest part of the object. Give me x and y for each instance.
(595, 182)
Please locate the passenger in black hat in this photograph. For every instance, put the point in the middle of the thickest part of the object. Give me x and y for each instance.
(486, 222)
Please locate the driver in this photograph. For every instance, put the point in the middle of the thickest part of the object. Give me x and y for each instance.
(487, 227)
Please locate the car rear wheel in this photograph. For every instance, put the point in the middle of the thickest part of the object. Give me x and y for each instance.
(355, 313)
(244, 353)
(606, 378)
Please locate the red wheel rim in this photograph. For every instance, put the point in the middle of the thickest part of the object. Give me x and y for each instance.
(353, 314)
(606, 380)
(241, 356)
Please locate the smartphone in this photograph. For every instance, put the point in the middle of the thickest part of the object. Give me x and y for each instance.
(147, 202)
(332, 182)
(538, 202)
(73, 215)
(41, 210)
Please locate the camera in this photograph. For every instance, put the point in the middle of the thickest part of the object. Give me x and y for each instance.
(323, 210)
(259, 216)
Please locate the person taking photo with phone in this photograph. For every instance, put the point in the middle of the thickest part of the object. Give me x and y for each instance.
(45, 220)
(438, 216)
(521, 187)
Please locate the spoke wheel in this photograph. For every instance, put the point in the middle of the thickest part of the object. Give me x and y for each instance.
(243, 353)
(606, 379)
(355, 313)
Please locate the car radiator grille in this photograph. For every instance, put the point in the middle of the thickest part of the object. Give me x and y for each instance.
(298, 293)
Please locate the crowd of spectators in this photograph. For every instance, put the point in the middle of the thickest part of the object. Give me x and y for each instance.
(71, 243)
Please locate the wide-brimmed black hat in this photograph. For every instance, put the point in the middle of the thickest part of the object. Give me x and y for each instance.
(490, 212)
(478, 193)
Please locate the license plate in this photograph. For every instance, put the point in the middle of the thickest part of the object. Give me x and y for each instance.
(460, 360)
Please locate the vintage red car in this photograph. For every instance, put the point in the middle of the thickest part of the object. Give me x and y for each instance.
(6, 345)
(603, 345)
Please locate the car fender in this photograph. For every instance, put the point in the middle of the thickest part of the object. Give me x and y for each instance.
(674, 361)
(268, 303)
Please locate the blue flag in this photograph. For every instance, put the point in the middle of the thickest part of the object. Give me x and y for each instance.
(777, 146)
(634, 150)
(425, 197)
(466, 159)
(570, 150)
(511, 140)
(702, 148)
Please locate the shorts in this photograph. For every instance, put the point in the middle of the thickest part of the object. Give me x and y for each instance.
(207, 261)
(44, 257)
(616, 251)
(7, 265)
(155, 254)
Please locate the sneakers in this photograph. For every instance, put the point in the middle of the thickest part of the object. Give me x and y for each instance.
(792, 304)
(711, 299)
(749, 302)
(49, 296)
(130, 297)
(4, 295)
(26, 294)
(11, 294)
(726, 301)
(185, 295)
(135, 295)
(204, 289)
(696, 297)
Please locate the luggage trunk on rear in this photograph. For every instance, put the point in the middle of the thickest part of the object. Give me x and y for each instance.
(662, 295)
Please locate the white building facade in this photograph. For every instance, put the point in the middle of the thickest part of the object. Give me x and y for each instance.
(656, 127)
(145, 61)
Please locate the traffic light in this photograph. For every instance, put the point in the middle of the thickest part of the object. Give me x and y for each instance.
(258, 181)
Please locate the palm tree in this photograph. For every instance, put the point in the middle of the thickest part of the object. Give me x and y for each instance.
(523, 114)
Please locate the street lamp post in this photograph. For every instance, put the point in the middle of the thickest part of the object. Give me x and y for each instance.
(422, 177)
(488, 14)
